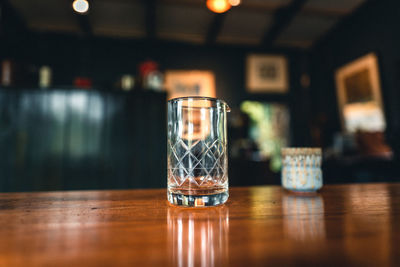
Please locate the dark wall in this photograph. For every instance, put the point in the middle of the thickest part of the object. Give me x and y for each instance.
(106, 59)
(374, 27)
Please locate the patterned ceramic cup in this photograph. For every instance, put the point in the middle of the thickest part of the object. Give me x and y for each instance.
(301, 170)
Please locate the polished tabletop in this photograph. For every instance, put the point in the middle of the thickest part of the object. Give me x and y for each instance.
(259, 226)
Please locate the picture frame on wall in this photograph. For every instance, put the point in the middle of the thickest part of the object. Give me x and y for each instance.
(181, 83)
(267, 73)
(358, 89)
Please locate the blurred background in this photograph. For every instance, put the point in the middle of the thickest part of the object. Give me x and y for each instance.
(84, 86)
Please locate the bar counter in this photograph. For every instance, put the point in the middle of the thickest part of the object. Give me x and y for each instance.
(355, 224)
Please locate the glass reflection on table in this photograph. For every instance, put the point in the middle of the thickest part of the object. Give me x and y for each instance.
(198, 237)
(303, 217)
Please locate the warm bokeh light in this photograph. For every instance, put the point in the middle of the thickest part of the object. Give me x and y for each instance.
(80, 6)
(218, 6)
(234, 2)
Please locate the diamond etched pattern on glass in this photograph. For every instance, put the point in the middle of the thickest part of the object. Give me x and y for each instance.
(199, 162)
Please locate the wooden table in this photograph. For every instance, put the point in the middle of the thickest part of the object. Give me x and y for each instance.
(258, 226)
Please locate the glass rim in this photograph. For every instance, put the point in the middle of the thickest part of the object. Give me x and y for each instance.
(199, 98)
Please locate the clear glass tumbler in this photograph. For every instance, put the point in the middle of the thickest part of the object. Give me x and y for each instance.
(197, 151)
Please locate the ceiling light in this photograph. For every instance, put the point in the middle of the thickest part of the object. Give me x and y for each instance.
(234, 2)
(218, 6)
(80, 6)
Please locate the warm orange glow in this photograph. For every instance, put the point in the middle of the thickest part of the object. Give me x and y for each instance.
(218, 6)
(234, 2)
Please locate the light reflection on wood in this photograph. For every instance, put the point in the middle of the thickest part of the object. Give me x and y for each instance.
(303, 217)
(198, 237)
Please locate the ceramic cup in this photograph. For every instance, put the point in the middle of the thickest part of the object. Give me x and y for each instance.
(301, 170)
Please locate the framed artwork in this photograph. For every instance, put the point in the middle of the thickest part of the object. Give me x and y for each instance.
(266, 74)
(359, 95)
(179, 83)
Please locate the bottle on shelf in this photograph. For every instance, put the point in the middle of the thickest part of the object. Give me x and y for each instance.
(6, 73)
(45, 75)
(127, 82)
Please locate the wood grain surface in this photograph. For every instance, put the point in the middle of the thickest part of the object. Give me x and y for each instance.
(258, 226)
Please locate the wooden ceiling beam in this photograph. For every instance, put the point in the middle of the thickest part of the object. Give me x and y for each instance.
(10, 17)
(82, 20)
(215, 28)
(84, 24)
(282, 18)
